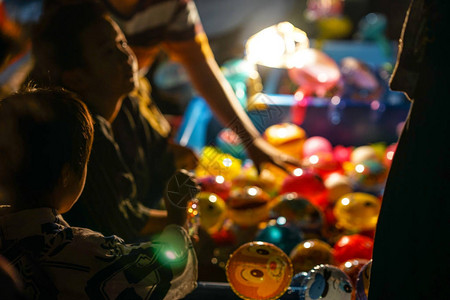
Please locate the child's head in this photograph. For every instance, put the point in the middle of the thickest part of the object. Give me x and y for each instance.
(78, 46)
(45, 142)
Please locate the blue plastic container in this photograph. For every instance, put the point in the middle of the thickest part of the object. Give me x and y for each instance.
(349, 123)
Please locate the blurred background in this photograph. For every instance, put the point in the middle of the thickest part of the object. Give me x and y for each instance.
(313, 76)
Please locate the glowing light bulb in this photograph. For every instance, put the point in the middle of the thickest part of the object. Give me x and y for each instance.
(252, 191)
(359, 168)
(227, 162)
(281, 220)
(212, 198)
(220, 179)
(298, 172)
(345, 201)
(313, 159)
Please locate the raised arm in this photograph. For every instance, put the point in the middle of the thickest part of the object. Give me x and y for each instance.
(196, 57)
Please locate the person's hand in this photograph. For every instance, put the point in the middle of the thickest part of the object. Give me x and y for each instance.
(185, 158)
(260, 151)
(181, 188)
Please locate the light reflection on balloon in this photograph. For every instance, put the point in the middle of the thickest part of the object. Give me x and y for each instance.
(353, 246)
(248, 206)
(357, 211)
(310, 253)
(212, 210)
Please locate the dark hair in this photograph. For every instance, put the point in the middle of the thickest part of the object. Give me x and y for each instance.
(41, 130)
(56, 38)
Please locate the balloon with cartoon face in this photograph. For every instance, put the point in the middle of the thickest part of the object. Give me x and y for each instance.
(326, 282)
(259, 270)
(363, 281)
(248, 206)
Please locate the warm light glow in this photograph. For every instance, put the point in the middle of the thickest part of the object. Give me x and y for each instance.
(220, 179)
(317, 65)
(322, 77)
(313, 159)
(281, 220)
(299, 95)
(359, 168)
(390, 155)
(275, 46)
(348, 264)
(227, 162)
(345, 240)
(267, 47)
(282, 133)
(298, 172)
(345, 201)
(252, 191)
(335, 100)
(291, 196)
(307, 245)
(212, 198)
(303, 58)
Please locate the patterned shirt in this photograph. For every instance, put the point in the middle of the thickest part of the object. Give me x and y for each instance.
(56, 261)
(108, 203)
(127, 172)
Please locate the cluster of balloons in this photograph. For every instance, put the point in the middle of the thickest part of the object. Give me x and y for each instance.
(317, 74)
(261, 270)
(319, 220)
